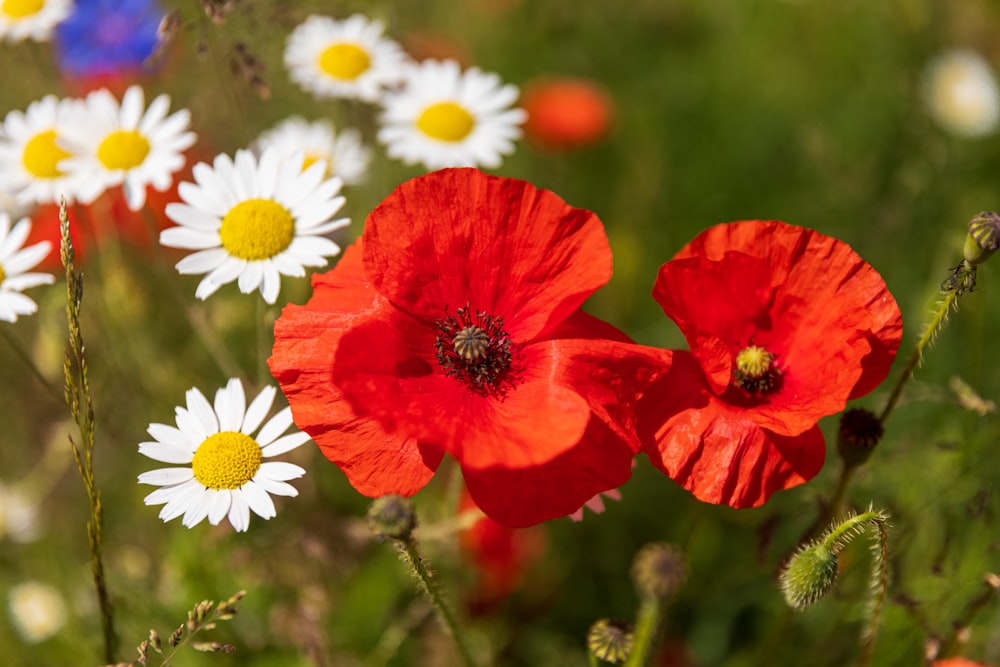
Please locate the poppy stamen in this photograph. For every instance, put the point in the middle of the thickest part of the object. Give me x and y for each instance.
(755, 370)
(474, 349)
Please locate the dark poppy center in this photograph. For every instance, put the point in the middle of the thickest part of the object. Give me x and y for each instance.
(473, 348)
(755, 370)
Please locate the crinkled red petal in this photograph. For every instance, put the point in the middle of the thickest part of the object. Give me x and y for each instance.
(723, 306)
(822, 269)
(388, 371)
(458, 236)
(306, 342)
(518, 498)
(716, 451)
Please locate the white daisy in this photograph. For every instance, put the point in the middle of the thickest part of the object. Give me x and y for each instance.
(444, 117)
(343, 152)
(21, 19)
(31, 154)
(348, 58)
(14, 264)
(254, 221)
(127, 144)
(961, 94)
(225, 472)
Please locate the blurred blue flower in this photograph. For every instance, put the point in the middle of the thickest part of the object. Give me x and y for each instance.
(104, 37)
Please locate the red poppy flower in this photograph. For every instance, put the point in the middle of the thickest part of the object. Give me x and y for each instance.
(454, 326)
(957, 662)
(785, 326)
(566, 113)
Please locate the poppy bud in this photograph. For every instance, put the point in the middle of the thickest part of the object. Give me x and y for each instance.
(859, 432)
(392, 517)
(610, 641)
(658, 570)
(983, 239)
(809, 576)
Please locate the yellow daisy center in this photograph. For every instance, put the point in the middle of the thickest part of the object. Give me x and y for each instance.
(257, 229)
(3, 275)
(226, 460)
(41, 155)
(446, 121)
(756, 371)
(19, 9)
(344, 61)
(123, 149)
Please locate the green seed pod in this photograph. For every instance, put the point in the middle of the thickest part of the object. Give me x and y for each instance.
(392, 517)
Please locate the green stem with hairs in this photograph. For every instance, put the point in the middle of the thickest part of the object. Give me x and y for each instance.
(961, 281)
(409, 553)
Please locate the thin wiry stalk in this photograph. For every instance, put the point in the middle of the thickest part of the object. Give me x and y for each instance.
(81, 406)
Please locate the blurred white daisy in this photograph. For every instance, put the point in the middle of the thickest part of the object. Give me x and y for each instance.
(960, 90)
(15, 261)
(37, 610)
(125, 144)
(345, 155)
(444, 117)
(254, 221)
(224, 471)
(35, 19)
(30, 152)
(348, 58)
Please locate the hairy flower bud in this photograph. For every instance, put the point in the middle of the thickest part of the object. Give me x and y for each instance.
(392, 517)
(810, 575)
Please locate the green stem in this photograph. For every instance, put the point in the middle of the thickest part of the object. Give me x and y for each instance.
(645, 632)
(410, 554)
(958, 284)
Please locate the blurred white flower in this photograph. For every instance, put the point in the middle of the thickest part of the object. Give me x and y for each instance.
(348, 58)
(960, 90)
(18, 515)
(35, 19)
(125, 143)
(15, 262)
(37, 611)
(345, 155)
(446, 117)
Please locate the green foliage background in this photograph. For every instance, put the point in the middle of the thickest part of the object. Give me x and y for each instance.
(799, 110)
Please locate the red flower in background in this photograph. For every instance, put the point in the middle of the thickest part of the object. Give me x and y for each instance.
(785, 326)
(454, 326)
(566, 113)
(957, 662)
(500, 556)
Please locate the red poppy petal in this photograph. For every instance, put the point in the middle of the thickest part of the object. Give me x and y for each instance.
(306, 342)
(714, 450)
(839, 273)
(458, 236)
(610, 375)
(404, 388)
(519, 498)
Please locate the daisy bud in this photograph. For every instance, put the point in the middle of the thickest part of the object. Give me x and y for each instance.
(392, 517)
(809, 576)
(658, 570)
(860, 430)
(610, 641)
(983, 239)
